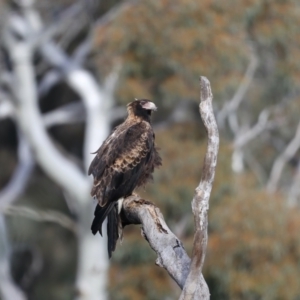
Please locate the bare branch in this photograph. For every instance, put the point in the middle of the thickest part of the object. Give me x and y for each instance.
(244, 136)
(6, 107)
(257, 169)
(91, 273)
(65, 23)
(281, 161)
(239, 96)
(67, 114)
(73, 31)
(114, 12)
(171, 254)
(92, 95)
(75, 113)
(254, 131)
(49, 80)
(40, 215)
(169, 249)
(98, 102)
(56, 165)
(200, 203)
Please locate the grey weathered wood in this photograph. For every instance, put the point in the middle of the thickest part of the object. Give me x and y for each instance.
(200, 203)
(171, 254)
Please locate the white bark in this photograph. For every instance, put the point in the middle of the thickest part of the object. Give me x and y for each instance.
(281, 161)
(6, 108)
(90, 285)
(67, 114)
(243, 137)
(200, 203)
(229, 111)
(91, 276)
(59, 168)
(237, 161)
(171, 254)
(230, 107)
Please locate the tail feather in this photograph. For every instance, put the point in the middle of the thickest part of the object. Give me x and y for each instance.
(111, 212)
(100, 215)
(112, 230)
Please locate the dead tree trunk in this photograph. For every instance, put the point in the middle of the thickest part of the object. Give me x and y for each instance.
(171, 254)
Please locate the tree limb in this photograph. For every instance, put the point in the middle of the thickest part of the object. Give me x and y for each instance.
(114, 12)
(6, 108)
(67, 114)
(230, 107)
(263, 123)
(282, 159)
(170, 251)
(171, 254)
(200, 203)
(40, 215)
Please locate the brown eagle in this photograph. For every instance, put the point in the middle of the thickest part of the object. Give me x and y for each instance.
(125, 160)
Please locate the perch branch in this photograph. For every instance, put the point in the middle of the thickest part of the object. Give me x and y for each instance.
(200, 203)
(171, 254)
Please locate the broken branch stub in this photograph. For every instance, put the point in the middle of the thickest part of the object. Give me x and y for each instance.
(200, 203)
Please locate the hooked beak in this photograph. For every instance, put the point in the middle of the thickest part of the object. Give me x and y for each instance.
(150, 106)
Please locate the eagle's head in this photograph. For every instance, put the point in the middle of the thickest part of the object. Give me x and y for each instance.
(141, 108)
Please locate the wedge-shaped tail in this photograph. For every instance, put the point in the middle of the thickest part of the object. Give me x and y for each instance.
(111, 212)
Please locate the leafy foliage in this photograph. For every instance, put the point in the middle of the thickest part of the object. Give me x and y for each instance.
(165, 44)
(254, 247)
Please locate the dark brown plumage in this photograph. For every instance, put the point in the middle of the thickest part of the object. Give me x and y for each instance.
(125, 160)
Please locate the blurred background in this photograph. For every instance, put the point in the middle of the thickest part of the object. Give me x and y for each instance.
(67, 70)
